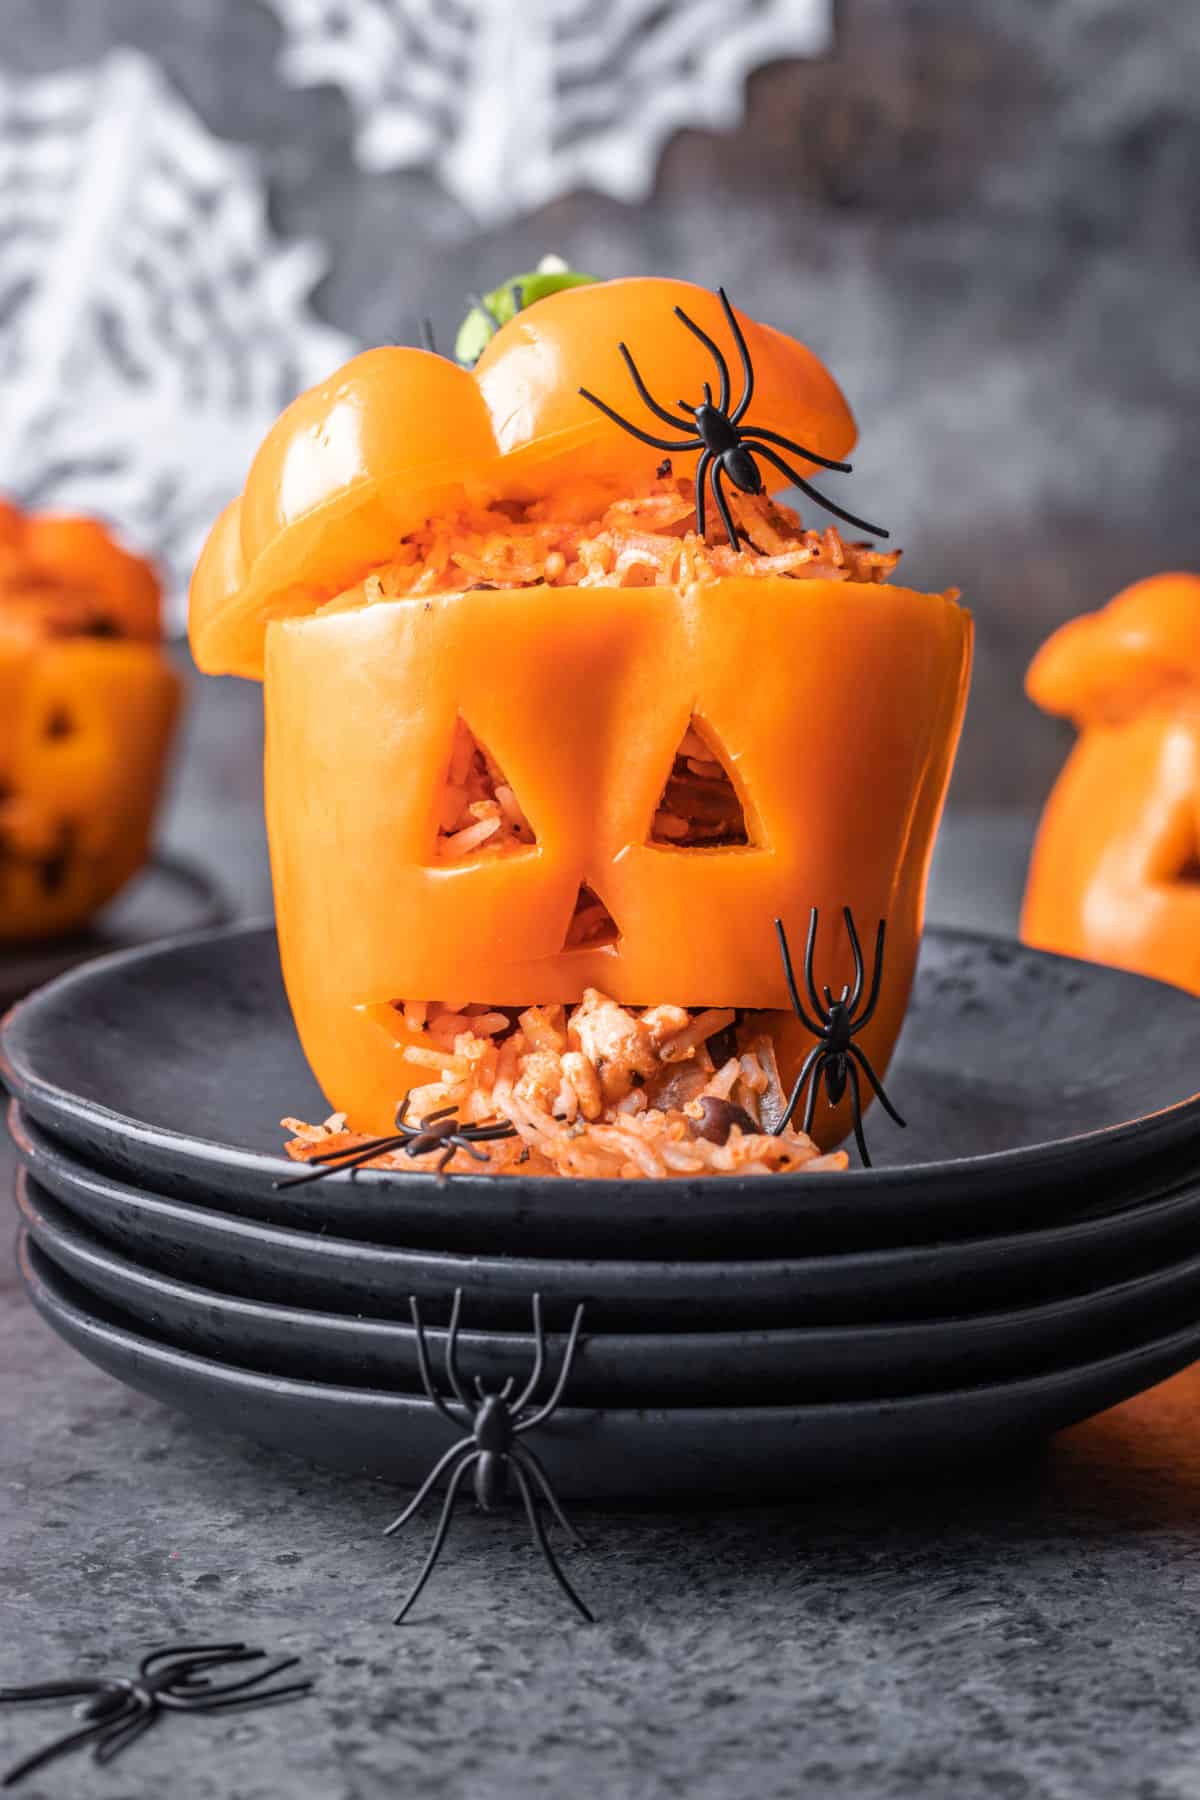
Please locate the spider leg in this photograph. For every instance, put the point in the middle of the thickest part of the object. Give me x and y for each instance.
(478, 301)
(433, 1118)
(739, 338)
(470, 1148)
(332, 1162)
(543, 1543)
(439, 1537)
(423, 1365)
(444, 1161)
(777, 437)
(425, 328)
(70, 1740)
(516, 294)
(714, 351)
(797, 1090)
(702, 468)
(564, 1375)
(500, 1394)
(856, 1109)
(810, 946)
(120, 1734)
(644, 394)
(539, 1358)
(211, 1695)
(810, 1105)
(856, 992)
(291, 1690)
(55, 1690)
(452, 1374)
(430, 1482)
(490, 1134)
(658, 443)
(876, 976)
(195, 1656)
(716, 477)
(861, 1058)
(790, 977)
(532, 1465)
(839, 512)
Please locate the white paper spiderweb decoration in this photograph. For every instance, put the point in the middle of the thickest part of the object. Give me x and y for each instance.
(514, 102)
(150, 328)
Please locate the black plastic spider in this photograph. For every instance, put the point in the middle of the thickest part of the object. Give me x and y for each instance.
(116, 1709)
(492, 1449)
(835, 1057)
(436, 1128)
(726, 446)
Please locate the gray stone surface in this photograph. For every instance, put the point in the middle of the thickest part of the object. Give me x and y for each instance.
(1031, 1633)
(981, 212)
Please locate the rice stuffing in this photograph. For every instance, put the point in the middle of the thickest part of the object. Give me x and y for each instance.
(648, 540)
(599, 1090)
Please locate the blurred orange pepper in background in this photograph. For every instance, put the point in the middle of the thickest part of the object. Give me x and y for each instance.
(1115, 874)
(87, 706)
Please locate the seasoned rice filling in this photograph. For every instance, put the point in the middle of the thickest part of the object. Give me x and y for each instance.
(601, 1089)
(647, 541)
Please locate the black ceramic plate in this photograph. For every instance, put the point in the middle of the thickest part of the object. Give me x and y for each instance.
(1036, 1087)
(298, 1268)
(167, 899)
(649, 1453)
(820, 1363)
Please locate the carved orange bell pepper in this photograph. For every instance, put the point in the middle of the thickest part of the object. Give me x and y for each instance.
(87, 705)
(551, 629)
(398, 435)
(1115, 874)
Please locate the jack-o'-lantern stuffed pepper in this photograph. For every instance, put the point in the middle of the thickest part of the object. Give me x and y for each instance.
(1115, 874)
(564, 711)
(87, 706)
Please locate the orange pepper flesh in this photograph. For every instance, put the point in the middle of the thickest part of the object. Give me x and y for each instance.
(836, 707)
(398, 435)
(85, 720)
(1115, 873)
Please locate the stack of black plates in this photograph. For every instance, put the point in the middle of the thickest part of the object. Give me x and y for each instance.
(1025, 1255)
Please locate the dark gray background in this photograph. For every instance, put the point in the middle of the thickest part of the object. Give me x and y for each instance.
(983, 215)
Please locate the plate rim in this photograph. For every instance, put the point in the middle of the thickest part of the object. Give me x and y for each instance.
(228, 1224)
(236, 1379)
(1060, 1309)
(1175, 1122)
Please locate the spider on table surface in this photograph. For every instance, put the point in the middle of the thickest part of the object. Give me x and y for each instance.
(493, 1447)
(116, 1709)
(835, 1057)
(727, 447)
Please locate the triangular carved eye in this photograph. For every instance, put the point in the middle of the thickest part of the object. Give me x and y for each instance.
(1187, 867)
(592, 926)
(478, 813)
(700, 807)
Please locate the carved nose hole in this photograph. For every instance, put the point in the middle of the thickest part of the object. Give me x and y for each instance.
(478, 813)
(700, 806)
(592, 926)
